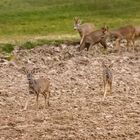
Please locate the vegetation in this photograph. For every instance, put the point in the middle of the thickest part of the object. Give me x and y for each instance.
(7, 48)
(25, 20)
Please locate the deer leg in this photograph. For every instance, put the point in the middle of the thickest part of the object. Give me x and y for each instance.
(105, 91)
(133, 45)
(87, 45)
(45, 97)
(103, 43)
(104, 86)
(81, 39)
(95, 47)
(128, 45)
(48, 98)
(26, 104)
(110, 87)
(37, 96)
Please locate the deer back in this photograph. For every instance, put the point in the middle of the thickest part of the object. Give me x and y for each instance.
(86, 29)
(43, 84)
(126, 32)
(92, 38)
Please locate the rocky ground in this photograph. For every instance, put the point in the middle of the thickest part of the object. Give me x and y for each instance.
(77, 110)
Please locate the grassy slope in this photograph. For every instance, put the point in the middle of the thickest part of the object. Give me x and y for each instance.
(31, 18)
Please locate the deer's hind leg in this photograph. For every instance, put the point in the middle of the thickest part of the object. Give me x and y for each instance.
(37, 97)
(133, 45)
(110, 87)
(26, 104)
(105, 89)
(46, 98)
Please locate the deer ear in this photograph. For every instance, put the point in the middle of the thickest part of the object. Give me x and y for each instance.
(76, 19)
(79, 21)
(104, 29)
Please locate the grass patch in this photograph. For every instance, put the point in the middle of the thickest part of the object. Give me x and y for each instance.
(28, 45)
(43, 17)
(23, 20)
(6, 48)
(41, 42)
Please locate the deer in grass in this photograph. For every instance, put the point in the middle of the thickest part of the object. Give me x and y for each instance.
(126, 32)
(85, 29)
(107, 78)
(93, 38)
(37, 87)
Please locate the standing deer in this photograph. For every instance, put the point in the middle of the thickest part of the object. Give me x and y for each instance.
(126, 32)
(85, 29)
(107, 78)
(93, 38)
(37, 87)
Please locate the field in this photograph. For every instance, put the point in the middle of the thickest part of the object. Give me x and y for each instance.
(23, 20)
(77, 110)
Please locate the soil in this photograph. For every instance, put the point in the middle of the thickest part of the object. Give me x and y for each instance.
(77, 110)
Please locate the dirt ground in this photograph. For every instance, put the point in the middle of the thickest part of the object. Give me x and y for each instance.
(77, 110)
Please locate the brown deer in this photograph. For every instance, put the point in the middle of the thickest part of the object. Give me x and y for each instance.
(37, 87)
(126, 32)
(107, 78)
(85, 29)
(93, 38)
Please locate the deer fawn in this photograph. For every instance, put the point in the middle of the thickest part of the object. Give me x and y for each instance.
(93, 38)
(85, 29)
(126, 32)
(37, 86)
(107, 78)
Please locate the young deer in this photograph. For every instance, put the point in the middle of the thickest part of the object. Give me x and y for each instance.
(107, 78)
(85, 29)
(37, 86)
(93, 38)
(126, 32)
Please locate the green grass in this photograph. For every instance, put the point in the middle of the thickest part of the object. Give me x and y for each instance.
(27, 19)
(7, 48)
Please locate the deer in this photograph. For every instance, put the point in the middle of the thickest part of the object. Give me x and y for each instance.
(125, 32)
(37, 87)
(93, 38)
(107, 78)
(85, 29)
